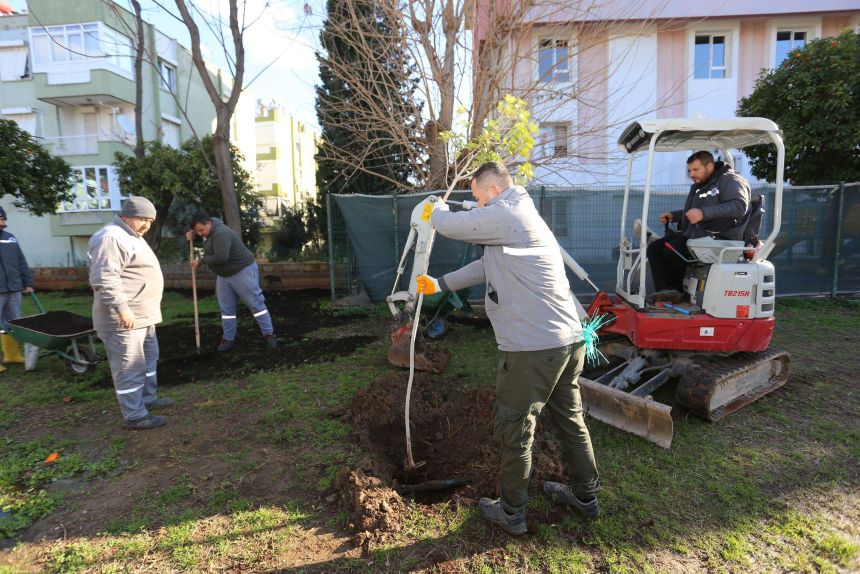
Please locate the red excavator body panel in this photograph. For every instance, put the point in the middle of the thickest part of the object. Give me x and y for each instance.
(664, 329)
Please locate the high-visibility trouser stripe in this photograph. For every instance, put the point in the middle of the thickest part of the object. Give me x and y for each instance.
(152, 374)
(523, 251)
(228, 316)
(263, 312)
(127, 391)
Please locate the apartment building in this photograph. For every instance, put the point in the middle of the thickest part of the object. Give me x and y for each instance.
(66, 76)
(590, 68)
(286, 168)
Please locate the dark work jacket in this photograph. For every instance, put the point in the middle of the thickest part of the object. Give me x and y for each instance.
(224, 252)
(14, 272)
(723, 199)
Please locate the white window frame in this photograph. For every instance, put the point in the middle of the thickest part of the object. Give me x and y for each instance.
(24, 117)
(728, 38)
(173, 122)
(556, 71)
(98, 47)
(90, 193)
(167, 75)
(15, 57)
(791, 31)
(812, 27)
(549, 138)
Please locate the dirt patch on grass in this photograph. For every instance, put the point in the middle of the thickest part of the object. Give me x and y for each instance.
(452, 440)
(209, 448)
(295, 315)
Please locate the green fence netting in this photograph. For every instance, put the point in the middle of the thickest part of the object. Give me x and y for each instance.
(817, 249)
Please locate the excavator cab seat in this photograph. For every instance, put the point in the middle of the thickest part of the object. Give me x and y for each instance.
(709, 250)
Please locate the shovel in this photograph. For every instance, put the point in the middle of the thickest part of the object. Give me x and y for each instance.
(194, 293)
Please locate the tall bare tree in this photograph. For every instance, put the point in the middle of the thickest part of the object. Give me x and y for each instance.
(223, 108)
(139, 49)
(470, 53)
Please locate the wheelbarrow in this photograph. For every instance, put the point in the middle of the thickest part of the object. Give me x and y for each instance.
(61, 333)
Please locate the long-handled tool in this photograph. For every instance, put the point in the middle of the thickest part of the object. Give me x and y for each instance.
(194, 293)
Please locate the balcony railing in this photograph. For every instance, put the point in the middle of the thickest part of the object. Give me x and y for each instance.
(74, 145)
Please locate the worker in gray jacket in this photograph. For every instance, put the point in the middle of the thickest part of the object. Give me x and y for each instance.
(127, 283)
(531, 308)
(237, 277)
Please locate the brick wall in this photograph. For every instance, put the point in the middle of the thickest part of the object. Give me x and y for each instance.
(273, 277)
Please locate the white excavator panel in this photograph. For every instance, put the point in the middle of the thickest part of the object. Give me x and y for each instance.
(740, 290)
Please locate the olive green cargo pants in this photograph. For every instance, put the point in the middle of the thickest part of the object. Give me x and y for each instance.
(526, 382)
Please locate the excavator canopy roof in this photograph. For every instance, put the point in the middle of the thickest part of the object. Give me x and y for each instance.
(679, 134)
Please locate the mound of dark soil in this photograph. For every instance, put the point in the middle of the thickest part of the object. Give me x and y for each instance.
(294, 314)
(452, 435)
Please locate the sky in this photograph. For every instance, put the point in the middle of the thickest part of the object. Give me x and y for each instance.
(279, 46)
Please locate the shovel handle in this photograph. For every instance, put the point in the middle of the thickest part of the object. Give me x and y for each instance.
(194, 292)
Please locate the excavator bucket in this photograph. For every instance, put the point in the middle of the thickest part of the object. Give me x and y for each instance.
(641, 416)
(426, 359)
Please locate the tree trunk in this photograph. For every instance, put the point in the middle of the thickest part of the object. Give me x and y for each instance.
(153, 236)
(138, 82)
(224, 171)
(223, 109)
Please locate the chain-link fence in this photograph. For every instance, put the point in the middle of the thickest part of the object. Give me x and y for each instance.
(817, 250)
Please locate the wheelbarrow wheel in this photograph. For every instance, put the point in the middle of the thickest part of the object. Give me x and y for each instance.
(87, 354)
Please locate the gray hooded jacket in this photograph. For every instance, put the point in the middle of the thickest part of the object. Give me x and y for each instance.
(125, 275)
(528, 296)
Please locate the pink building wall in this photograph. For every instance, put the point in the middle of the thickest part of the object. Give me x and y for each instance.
(655, 80)
(671, 81)
(593, 90)
(753, 46)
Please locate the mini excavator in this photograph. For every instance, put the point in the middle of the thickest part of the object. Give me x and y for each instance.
(714, 342)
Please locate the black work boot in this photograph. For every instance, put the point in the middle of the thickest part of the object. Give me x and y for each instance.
(225, 345)
(563, 494)
(145, 423)
(492, 511)
(159, 403)
(271, 342)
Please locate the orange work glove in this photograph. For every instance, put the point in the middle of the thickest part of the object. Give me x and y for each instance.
(427, 285)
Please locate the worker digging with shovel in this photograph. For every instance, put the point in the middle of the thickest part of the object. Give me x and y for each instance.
(531, 308)
(237, 277)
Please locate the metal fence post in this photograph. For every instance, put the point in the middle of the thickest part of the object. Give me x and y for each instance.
(330, 246)
(396, 228)
(839, 217)
(540, 201)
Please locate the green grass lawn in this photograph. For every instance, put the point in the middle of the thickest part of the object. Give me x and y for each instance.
(243, 481)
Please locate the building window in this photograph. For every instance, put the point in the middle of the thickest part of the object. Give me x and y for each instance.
(24, 117)
(170, 133)
(710, 57)
(95, 189)
(786, 41)
(168, 76)
(554, 60)
(64, 43)
(14, 63)
(555, 140)
(57, 44)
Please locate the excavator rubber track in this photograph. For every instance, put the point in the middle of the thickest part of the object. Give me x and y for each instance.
(716, 386)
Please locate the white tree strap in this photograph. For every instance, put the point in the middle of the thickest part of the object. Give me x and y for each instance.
(127, 391)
